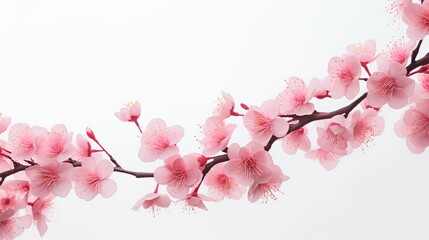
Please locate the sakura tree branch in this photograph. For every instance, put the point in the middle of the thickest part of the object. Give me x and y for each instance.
(416, 51)
(306, 119)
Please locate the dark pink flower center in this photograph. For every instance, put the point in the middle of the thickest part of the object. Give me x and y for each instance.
(387, 86)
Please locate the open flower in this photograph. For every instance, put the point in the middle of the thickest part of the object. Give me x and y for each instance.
(55, 145)
(343, 79)
(365, 52)
(93, 179)
(216, 135)
(414, 126)
(295, 98)
(159, 141)
(220, 185)
(263, 122)
(129, 113)
(39, 210)
(50, 177)
(416, 17)
(180, 174)
(249, 164)
(365, 126)
(390, 86)
(153, 201)
(225, 106)
(296, 140)
(266, 190)
(12, 226)
(334, 136)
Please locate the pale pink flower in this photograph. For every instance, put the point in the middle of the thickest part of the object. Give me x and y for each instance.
(4, 123)
(327, 159)
(153, 201)
(82, 148)
(264, 122)
(225, 106)
(365, 127)
(266, 190)
(195, 200)
(55, 145)
(416, 16)
(50, 177)
(249, 163)
(415, 127)
(159, 141)
(296, 140)
(422, 89)
(180, 174)
(216, 135)
(343, 79)
(21, 142)
(390, 86)
(221, 185)
(398, 52)
(14, 195)
(93, 179)
(40, 209)
(334, 136)
(365, 52)
(295, 98)
(12, 226)
(129, 113)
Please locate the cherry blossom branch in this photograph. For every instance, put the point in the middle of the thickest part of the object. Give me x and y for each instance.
(136, 174)
(416, 51)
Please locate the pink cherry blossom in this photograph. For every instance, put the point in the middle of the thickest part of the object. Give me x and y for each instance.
(82, 148)
(415, 127)
(12, 226)
(225, 106)
(180, 174)
(391, 86)
(216, 135)
(50, 177)
(55, 145)
(21, 141)
(159, 141)
(422, 89)
(266, 190)
(343, 79)
(295, 98)
(195, 200)
(296, 140)
(14, 195)
(398, 52)
(220, 185)
(327, 159)
(263, 122)
(249, 163)
(334, 136)
(93, 179)
(365, 127)
(4, 123)
(365, 52)
(129, 113)
(416, 17)
(40, 208)
(153, 201)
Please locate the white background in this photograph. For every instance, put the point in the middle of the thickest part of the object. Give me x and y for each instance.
(77, 62)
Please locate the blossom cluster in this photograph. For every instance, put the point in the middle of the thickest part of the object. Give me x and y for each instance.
(49, 163)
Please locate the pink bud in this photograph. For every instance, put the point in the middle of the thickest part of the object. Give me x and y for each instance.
(244, 106)
(90, 134)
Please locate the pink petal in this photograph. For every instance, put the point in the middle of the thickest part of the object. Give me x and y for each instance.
(104, 169)
(108, 188)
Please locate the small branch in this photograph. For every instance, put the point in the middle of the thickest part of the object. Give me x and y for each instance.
(421, 62)
(18, 168)
(306, 119)
(416, 51)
